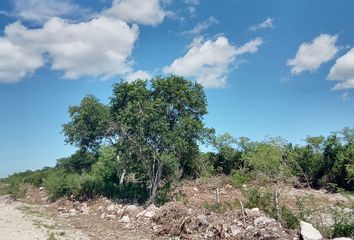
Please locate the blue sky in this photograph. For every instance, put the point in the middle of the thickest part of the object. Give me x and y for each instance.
(277, 67)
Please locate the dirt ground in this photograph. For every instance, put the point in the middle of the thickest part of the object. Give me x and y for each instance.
(189, 216)
(22, 221)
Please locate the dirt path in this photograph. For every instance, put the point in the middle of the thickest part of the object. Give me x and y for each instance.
(23, 221)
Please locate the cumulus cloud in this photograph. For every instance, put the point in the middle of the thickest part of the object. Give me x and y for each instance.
(268, 23)
(310, 56)
(16, 62)
(201, 26)
(99, 47)
(130, 77)
(343, 71)
(137, 11)
(209, 62)
(40, 11)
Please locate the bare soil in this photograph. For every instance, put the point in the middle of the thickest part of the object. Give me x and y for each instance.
(23, 221)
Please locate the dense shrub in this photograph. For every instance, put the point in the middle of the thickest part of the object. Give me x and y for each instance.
(267, 158)
(238, 178)
(261, 200)
(37, 178)
(162, 194)
(56, 184)
(131, 192)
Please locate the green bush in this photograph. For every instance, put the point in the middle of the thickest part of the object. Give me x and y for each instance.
(253, 198)
(83, 187)
(89, 186)
(265, 202)
(36, 178)
(56, 184)
(131, 192)
(60, 184)
(262, 200)
(15, 189)
(238, 178)
(13, 185)
(162, 194)
(343, 228)
(288, 218)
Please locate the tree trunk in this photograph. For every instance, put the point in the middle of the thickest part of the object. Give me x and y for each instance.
(121, 180)
(155, 182)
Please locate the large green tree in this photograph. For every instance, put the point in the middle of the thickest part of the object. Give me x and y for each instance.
(159, 123)
(151, 125)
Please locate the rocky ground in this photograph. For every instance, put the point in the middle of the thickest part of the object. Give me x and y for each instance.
(187, 217)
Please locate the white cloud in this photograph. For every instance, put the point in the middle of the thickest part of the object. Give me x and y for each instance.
(148, 12)
(130, 77)
(98, 48)
(268, 23)
(343, 71)
(16, 62)
(201, 26)
(249, 47)
(209, 62)
(191, 6)
(310, 56)
(41, 11)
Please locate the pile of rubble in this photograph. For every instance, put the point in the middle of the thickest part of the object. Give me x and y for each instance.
(176, 220)
(103, 207)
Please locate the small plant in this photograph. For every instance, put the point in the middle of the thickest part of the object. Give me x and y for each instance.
(253, 198)
(216, 207)
(288, 218)
(262, 200)
(51, 236)
(238, 178)
(343, 228)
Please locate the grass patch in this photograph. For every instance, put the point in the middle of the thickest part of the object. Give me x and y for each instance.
(51, 236)
(343, 228)
(216, 207)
